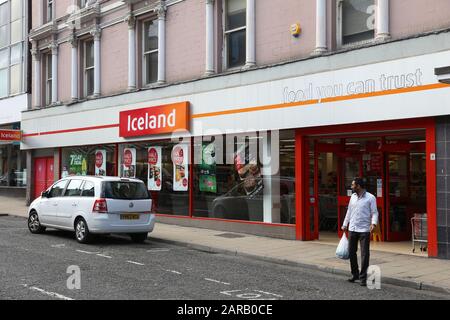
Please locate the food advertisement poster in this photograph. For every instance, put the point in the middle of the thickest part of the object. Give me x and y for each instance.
(100, 162)
(154, 169)
(180, 167)
(208, 181)
(248, 170)
(78, 165)
(129, 163)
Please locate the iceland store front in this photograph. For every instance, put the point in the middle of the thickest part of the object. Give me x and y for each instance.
(268, 151)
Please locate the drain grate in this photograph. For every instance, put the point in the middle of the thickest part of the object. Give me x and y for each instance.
(230, 235)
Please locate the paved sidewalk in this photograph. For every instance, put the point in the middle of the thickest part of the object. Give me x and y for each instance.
(397, 269)
(13, 206)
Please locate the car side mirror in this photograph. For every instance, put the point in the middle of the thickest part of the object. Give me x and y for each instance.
(44, 194)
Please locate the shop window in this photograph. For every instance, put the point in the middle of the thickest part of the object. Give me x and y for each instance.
(13, 172)
(235, 33)
(229, 179)
(164, 168)
(90, 160)
(356, 21)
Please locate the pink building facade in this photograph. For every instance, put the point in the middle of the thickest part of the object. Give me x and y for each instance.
(319, 77)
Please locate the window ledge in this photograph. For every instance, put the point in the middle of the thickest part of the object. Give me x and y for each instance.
(356, 45)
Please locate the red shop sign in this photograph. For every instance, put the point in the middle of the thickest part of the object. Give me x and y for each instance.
(154, 120)
(10, 135)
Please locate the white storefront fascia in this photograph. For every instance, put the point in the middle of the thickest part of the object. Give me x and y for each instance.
(11, 108)
(397, 89)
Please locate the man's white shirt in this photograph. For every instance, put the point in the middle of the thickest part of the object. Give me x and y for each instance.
(362, 212)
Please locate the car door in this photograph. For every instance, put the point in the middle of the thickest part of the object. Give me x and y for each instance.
(69, 203)
(49, 205)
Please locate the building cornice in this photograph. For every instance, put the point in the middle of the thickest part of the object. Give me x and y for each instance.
(45, 31)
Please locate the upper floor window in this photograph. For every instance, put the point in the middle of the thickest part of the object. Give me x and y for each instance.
(356, 21)
(235, 32)
(150, 52)
(89, 68)
(49, 10)
(11, 47)
(48, 78)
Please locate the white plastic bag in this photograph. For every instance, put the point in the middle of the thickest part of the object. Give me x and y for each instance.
(342, 249)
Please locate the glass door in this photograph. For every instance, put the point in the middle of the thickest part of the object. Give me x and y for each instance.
(351, 167)
(399, 217)
(373, 173)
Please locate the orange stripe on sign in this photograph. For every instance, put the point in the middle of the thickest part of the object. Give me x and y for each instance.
(270, 107)
(326, 100)
(72, 130)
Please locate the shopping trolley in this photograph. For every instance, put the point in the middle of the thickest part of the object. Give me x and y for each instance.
(419, 231)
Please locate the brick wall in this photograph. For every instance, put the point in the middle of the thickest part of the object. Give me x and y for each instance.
(443, 185)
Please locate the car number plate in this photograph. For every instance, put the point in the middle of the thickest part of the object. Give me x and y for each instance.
(129, 217)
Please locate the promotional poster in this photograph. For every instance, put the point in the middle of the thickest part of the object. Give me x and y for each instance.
(248, 170)
(78, 165)
(100, 163)
(154, 169)
(180, 167)
(208, 180)
(129, 163)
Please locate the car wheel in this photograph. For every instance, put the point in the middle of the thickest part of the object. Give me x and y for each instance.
(139, 237)
(34, 225)
(82, 233)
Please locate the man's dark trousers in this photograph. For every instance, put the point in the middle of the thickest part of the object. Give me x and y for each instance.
(365, 253)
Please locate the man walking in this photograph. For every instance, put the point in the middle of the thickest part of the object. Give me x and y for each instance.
(362, 215)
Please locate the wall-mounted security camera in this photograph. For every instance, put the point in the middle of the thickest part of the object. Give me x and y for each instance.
(443, 74)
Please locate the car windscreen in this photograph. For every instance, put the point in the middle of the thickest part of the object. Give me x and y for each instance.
(125, 190)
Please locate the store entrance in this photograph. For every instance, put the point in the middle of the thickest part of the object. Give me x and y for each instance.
(393, 168)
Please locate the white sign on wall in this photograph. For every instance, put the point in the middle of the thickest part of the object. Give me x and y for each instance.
(403, 88)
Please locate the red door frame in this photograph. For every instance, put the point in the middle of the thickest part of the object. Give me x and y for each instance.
(428, 124)
(301, 187)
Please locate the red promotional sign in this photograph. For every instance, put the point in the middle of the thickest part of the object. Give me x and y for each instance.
(10, 135)
(154, 120)
(152, 156)
(127, 158)
(99, 159)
